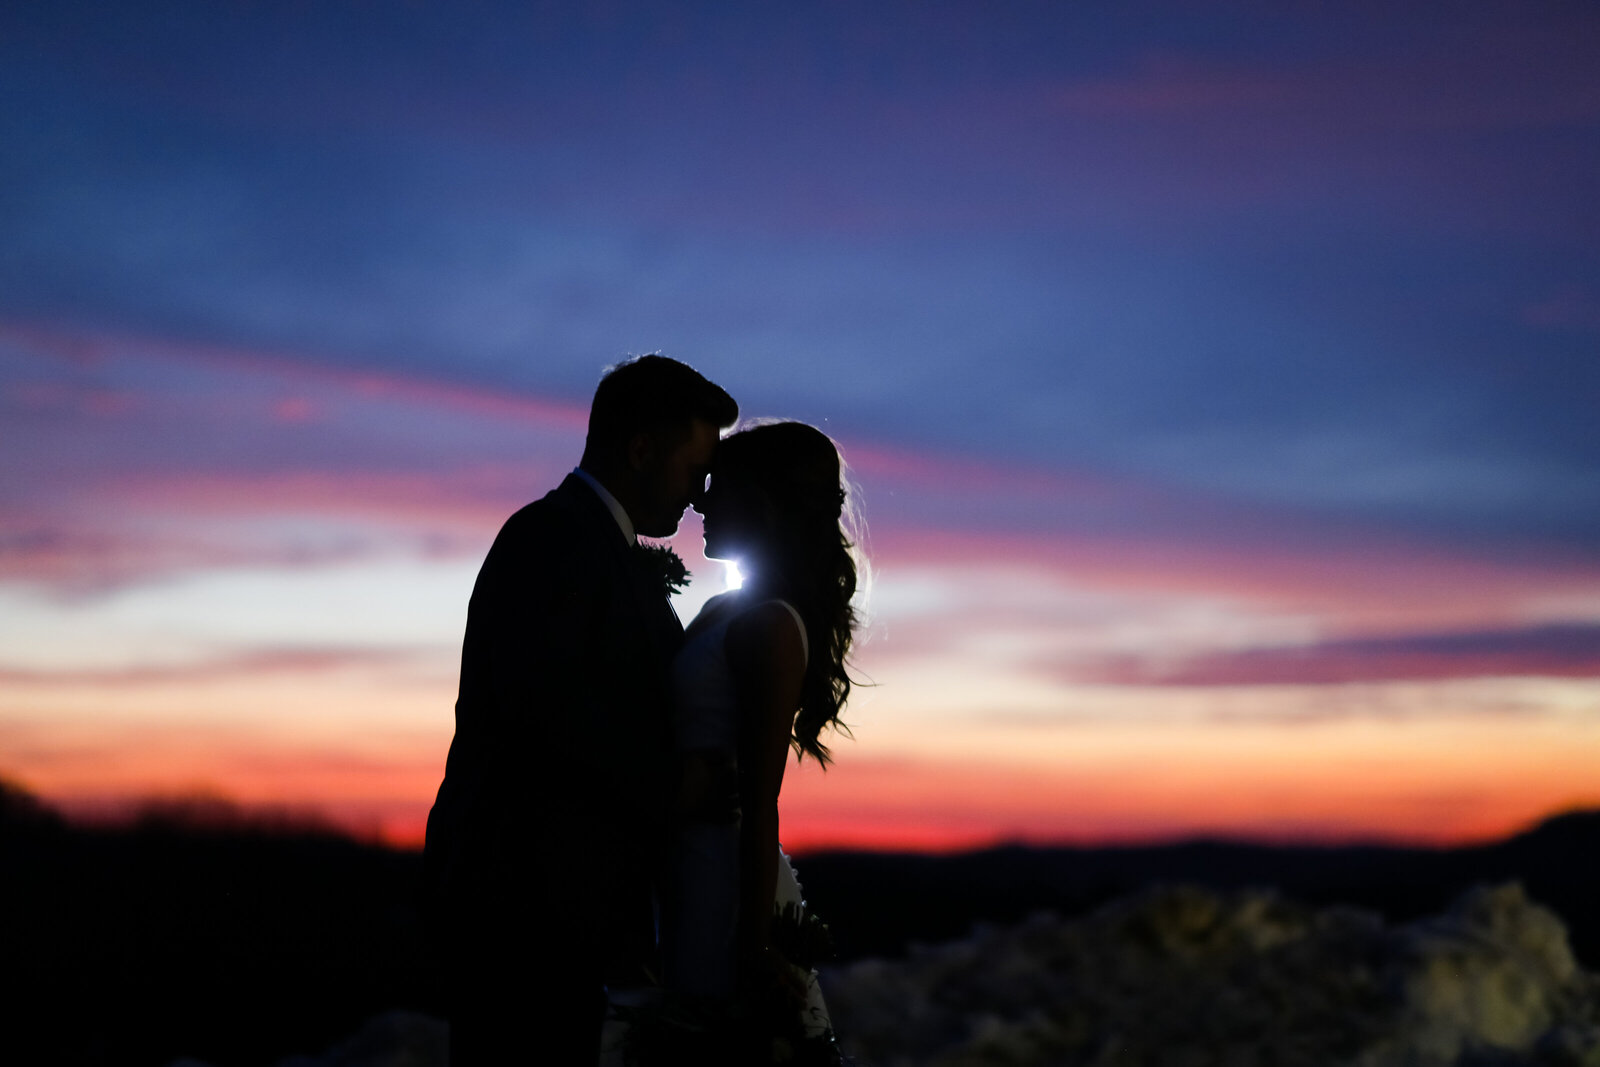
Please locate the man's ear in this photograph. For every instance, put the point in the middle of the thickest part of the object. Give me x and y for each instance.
(641, 452)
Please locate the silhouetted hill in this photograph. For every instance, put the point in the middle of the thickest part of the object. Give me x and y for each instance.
(196, 931)
(205, 931)
(879, 903)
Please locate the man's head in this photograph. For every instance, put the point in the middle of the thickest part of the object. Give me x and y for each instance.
(653, 427)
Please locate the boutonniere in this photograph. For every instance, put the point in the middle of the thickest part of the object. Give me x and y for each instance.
(664, 565)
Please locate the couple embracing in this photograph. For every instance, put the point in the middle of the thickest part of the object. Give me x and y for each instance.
(609, 813)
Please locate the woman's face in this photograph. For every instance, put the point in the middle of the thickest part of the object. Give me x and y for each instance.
(733, 513)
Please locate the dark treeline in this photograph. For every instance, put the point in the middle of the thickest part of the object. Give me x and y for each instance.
(196, 931)
(880, 904)
(240, 940)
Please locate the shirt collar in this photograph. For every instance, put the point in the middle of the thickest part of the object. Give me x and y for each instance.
(618, 512)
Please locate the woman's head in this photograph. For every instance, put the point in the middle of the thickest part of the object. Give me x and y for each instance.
(775, 488)
(776, 502)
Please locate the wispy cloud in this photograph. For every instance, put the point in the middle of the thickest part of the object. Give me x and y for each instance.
(88, 348)
(139, 459)
(239, 667)
(1560, 651)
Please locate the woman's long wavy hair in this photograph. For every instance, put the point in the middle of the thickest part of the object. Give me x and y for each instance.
(798, 472)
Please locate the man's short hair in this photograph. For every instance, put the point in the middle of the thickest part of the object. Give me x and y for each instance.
(653, 394)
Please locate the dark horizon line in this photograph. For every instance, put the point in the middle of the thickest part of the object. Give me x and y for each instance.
(214, 815)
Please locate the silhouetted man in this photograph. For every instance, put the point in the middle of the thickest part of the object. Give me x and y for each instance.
(550, 818)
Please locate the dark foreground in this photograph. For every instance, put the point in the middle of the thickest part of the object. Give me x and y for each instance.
(239, 942)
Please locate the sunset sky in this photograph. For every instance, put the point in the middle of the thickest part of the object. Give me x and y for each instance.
(1220, 381)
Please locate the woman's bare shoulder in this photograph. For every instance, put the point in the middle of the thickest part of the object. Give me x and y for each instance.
(766, 632)
(712, 608)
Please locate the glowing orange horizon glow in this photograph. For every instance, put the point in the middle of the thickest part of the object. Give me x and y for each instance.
(1431, 783)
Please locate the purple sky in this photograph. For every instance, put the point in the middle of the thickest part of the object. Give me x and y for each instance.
(1345, 259)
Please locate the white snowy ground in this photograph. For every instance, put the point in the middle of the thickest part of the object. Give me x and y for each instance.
(1182, 976)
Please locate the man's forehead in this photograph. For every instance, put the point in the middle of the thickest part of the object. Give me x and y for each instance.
(702, 442)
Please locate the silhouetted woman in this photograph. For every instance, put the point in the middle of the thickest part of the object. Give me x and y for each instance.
(762, 672)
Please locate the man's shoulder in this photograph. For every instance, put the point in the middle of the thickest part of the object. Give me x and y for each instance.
(556, 508)
(560, 518)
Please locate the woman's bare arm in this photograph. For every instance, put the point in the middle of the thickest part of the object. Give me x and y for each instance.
(767, 660)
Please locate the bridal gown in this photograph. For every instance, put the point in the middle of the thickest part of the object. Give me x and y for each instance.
(702, 909)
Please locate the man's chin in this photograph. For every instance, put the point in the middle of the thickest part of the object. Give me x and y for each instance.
(661, 528)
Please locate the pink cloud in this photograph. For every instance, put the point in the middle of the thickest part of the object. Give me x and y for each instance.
(295, 409)
(441, 501)
(1492, 80)
(130, 481)
(84, 347)
(238, 666)
(158, 524)
(1564, 651)
(1360, 586)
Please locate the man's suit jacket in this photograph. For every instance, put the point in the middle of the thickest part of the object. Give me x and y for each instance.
(558, 775)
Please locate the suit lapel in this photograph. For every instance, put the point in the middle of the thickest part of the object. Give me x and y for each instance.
(642, 594)
(654, 605)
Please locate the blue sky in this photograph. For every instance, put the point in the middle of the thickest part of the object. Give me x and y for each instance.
(1345, 260)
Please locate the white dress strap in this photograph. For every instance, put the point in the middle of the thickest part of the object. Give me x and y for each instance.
(805, 643)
